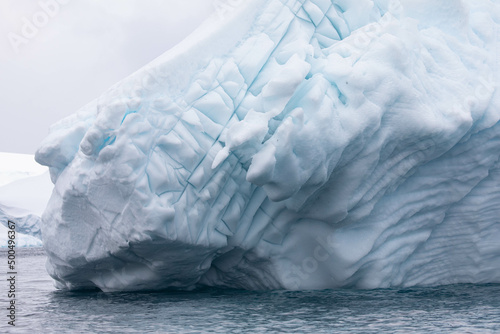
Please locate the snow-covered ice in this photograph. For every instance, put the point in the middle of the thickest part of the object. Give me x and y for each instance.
(25, 189)
(15, 166)
(297, 144)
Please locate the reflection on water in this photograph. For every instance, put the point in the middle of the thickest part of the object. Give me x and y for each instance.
(458, 308)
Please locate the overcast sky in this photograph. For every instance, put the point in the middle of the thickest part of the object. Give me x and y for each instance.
(54, 60)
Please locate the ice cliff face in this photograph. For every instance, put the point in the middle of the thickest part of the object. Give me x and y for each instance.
(298, 144)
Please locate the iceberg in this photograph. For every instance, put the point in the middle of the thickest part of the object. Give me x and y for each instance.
(21, 239)
(25, 189)
(23, 202)
(290, 144)
(15, 166)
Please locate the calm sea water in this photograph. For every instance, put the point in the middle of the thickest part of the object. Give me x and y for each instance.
(42, 309)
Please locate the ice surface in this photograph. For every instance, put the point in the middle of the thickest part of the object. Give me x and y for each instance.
(24, 192)
(23, 202)
(292, 144)
(21, 239)
(15, 166)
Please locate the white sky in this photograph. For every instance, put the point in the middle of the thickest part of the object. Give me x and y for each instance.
(84, 48)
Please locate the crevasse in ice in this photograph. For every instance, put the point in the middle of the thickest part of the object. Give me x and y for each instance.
(297, 144)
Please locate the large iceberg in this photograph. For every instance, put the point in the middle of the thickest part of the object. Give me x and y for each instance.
(297, 144)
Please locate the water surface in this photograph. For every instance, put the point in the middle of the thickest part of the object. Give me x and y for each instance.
(43, 309)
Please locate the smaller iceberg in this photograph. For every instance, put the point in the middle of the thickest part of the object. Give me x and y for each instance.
(24, 192)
